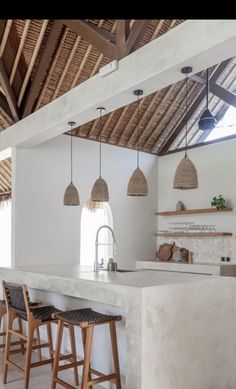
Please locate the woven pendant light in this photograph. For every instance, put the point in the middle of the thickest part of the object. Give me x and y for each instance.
(137, 184)
(71, 196)
(207, 121)
(100, 189)
(186, 174)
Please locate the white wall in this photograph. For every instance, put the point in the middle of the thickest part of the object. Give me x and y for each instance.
(216, 173)
(5, 233)
(47, 232)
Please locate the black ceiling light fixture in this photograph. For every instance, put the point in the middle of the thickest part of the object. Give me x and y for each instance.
(207, 121)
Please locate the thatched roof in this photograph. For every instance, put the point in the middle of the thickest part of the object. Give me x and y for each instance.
(41, 60)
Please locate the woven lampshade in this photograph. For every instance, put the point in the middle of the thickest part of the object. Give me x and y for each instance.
(71, 196)
(186, 175)
(137, 184)
(100, 190)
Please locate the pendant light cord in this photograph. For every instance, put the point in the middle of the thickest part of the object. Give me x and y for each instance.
(207, 87)
(100, 145)
(71, 154)
(138, 135)
(186, 110)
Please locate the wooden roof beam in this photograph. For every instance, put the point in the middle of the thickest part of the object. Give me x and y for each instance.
(194, 106)
(43, 66)
(95, 38)
(136, 35)
(122, 33)
(211, 42)
(10, 96)
(106, 34)
(218, 90)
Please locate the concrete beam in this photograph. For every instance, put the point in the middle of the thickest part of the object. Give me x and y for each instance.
(197, 43)
(5, 154)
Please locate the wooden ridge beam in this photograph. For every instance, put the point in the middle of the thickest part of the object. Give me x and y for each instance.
(194, 106)
(122, 33)
(95, 38)
(10, 96)
(43, 66)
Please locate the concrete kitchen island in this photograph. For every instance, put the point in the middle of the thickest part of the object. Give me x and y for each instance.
(180, 329)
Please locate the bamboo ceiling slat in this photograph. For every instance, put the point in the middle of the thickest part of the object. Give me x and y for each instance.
(32, 61)
(51, 71)
(74, 48)
(152, 138)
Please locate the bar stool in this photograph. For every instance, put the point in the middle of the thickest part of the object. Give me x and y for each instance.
(18, 305)
(86, 319)
(3, 312)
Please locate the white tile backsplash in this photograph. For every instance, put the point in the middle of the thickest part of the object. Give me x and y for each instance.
(205, 249)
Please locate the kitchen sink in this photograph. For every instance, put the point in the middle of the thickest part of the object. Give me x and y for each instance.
(124, 271)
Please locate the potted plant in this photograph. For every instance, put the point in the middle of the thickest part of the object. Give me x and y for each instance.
(218, 202)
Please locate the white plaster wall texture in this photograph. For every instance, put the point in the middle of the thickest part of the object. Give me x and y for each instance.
(216, 173)
(178, 354)
(44, 231)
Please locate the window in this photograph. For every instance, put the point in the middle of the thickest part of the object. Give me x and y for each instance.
(91, 219)
(5, 234)
(225, 127)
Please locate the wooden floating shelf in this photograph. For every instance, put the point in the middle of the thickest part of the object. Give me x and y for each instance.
(193, 211)
(193, 234)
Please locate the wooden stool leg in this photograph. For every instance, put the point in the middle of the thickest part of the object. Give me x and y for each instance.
(50, 347)
(31, 330)
(87, 354)
(21, 331)
(73, 352)
(57, 353)
(115, 353)
(10, 319)
(39, 341)
(84, 340)
(2, 333)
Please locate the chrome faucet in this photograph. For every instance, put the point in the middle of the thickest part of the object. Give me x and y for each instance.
(96, 264)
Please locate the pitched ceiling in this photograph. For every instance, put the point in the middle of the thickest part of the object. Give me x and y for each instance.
(41, 60)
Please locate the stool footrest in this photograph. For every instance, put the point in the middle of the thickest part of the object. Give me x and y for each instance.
(63, 383)
(10, 363)
(18, 351)
(45, 362)
(39, 346)
(103, 378)
(99, 374)
(70, 365)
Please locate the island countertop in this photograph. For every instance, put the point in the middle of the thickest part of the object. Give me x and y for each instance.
(136, 278)
(169, 320)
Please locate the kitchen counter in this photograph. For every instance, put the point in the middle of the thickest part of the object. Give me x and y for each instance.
(178, 326)
(219, 269)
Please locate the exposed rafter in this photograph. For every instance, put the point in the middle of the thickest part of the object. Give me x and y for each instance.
(10, 96)
(43, 66)
(136, 35)
(96, 39)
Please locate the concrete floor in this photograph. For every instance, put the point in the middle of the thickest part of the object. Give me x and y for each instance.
(40, 377)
